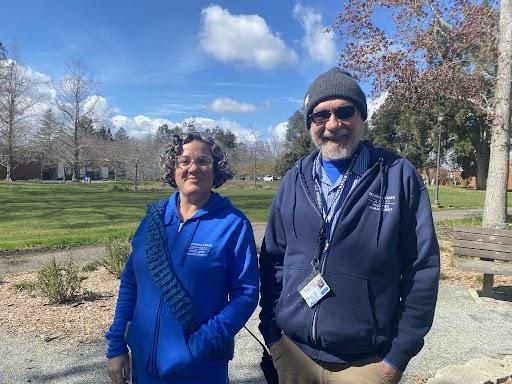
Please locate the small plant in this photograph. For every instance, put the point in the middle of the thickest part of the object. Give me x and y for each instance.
(115, 258)
(26, 286)
(92, 266)
(59, 283)
(2, 280)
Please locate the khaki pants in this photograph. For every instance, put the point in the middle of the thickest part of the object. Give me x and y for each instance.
(295, 367)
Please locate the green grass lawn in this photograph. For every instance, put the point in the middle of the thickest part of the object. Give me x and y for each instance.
(38, 215)
(459, 198)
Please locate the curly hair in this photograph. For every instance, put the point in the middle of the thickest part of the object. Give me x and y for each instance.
(221, 170)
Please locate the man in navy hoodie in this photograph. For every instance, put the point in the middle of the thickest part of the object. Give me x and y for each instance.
(350, 260)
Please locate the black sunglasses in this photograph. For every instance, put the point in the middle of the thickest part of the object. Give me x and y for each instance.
(342, 113)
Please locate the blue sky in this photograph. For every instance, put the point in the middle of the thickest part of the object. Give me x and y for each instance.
(242, 65)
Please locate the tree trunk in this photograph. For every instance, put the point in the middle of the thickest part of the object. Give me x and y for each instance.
(9, 170)
(482, 162)
(136, 173)
(75, 172)
(10, 143)
(495, 208)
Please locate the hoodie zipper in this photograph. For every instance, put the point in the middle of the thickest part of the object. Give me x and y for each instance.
(155, 338)
(307, 195)
(158, 313)
(325, 251)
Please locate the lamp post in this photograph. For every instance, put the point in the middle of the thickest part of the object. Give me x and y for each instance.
(440, 119)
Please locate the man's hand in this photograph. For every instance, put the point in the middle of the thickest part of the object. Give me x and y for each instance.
(119, 369)
(391, 374)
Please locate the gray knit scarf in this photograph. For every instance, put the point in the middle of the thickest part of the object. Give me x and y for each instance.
(160, 267)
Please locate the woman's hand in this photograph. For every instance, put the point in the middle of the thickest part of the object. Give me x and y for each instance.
(118, 368)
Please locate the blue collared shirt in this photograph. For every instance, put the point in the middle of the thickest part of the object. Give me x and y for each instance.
(331, 196)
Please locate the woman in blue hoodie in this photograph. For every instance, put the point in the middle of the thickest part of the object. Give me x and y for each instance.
(191, 281)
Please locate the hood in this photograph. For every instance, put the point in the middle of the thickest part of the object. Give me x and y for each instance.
(215, 204)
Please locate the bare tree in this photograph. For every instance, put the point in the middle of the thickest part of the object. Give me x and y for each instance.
(76, 103)
(495, 208)
(135, 157)
(44, 141)
(17, 99)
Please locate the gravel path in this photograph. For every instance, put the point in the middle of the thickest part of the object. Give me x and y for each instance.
(464, 328)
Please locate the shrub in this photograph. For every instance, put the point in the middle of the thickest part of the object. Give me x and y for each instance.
(115, 258)
(2, 280)
(26, 286)
(59, 283)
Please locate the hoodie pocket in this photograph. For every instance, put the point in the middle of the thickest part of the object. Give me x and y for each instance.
(346, 323)
(292, 313)
(140, 336)
(173, 356)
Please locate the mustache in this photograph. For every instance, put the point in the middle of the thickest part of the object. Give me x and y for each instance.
(338, 135)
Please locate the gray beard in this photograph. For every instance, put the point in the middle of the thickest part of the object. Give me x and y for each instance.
(332, 151)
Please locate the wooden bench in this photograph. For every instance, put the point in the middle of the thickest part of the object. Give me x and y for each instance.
(484, 250)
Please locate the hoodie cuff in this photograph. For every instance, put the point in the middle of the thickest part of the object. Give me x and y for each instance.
(116, 344)
(116, 350)
(272, 336)
(397, 358)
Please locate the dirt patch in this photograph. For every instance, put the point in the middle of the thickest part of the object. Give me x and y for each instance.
(84, 320)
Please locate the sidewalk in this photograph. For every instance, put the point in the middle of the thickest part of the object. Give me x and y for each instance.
(464, 328)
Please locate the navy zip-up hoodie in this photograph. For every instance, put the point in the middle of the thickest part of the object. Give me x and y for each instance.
(382, 265)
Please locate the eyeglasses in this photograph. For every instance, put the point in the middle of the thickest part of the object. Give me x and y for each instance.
(342, 113)
(203, 162)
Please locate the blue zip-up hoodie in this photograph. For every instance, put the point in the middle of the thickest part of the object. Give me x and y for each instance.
(382, 265)
(214, 258)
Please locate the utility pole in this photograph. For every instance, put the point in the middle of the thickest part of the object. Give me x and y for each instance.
(440, 119)
(254, 153)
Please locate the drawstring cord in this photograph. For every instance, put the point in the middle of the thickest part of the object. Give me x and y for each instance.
(382, 196)
(294, 204)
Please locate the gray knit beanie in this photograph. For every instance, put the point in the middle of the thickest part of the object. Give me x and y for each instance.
(335, 83)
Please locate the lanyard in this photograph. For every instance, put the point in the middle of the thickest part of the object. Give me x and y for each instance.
(329, 212)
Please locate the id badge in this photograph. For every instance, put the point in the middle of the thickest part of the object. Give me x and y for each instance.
(313, 288)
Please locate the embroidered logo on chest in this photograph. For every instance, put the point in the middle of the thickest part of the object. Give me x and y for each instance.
(199, 249)
(375, 202)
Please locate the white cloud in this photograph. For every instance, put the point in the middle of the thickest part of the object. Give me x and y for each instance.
(279, 130)
(374, 104)
(139, 125)
(242, 133)
(245, 39)
(228, 105)
(225, 104)
(317, 42)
